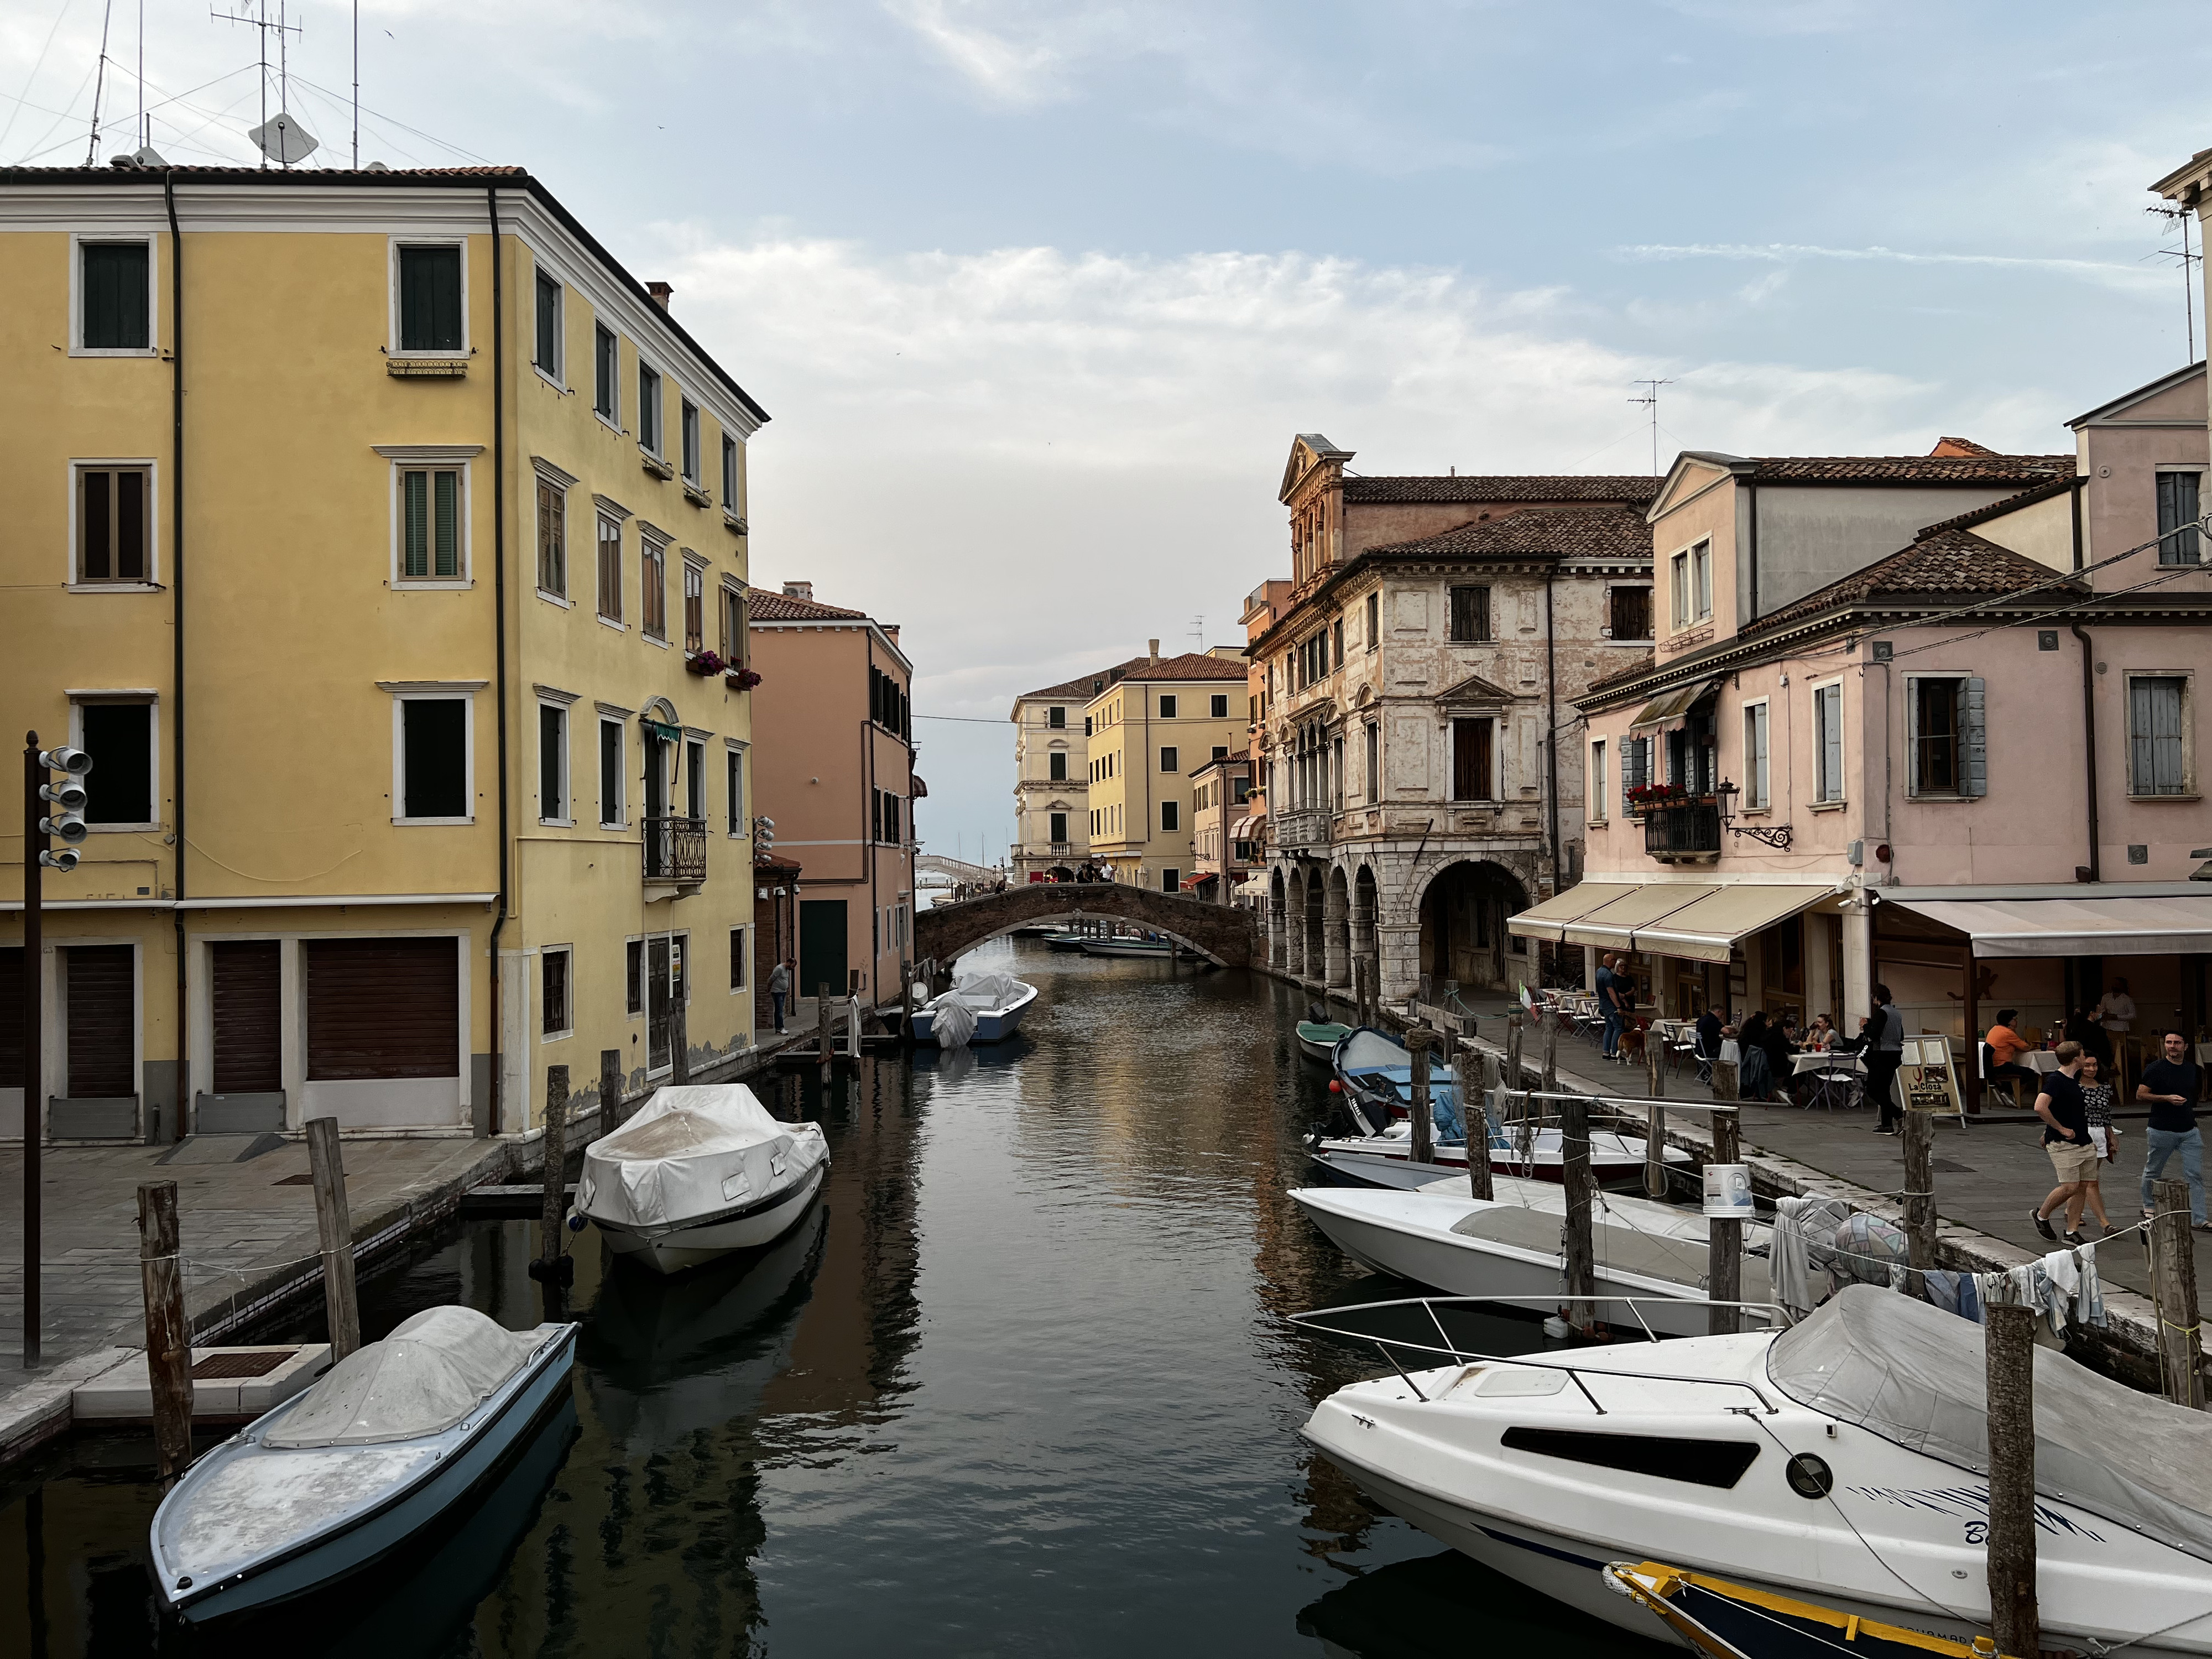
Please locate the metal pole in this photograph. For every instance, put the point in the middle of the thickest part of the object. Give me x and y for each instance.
(334, 1222)
(2173, 1284)
(1724, 1239)
(34, 1080)
(1655, 1118)
(169, 1338)
(2008, 1344)
(1418, 1041)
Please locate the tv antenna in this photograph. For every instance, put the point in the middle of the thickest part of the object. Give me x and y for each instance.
(1198, 631)
(2189, 261)
(1650, 401)
(282, 141)
(99, 82)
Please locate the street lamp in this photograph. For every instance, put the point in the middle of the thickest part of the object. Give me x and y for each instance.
(1775, 835)
(65, 822)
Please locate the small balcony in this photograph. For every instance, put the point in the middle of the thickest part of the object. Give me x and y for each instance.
(1683, 833)
(675, 851)
(1306, 828)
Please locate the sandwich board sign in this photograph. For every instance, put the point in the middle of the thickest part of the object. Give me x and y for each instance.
(1927, 1081)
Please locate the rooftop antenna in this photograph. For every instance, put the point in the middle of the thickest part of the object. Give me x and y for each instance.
(357, 85)
(1198, 631)
(1650, 401)
(99, 82)
(282, 141)
(2189, 261)
(145, 134)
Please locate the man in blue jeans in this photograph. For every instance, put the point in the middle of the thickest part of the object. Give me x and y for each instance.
(2172, 1085)
(1609, 1004)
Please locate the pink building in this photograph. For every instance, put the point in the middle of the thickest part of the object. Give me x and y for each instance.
(1955, 756)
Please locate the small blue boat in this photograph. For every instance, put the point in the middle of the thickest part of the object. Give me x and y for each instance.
(339, 1477)
(1374, 1071)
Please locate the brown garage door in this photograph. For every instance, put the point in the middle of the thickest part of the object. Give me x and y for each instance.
(248, 990)
(382, 1008)
(100, 1041)
(11, 1017)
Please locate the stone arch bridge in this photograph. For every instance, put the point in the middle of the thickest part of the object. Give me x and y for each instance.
(1225, 933)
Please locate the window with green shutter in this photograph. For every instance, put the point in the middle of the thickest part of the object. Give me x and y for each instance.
(430, 521)
(2157, 736)
(430, 298)
(114, 297)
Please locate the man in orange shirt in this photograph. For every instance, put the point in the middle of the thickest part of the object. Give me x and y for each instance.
(2006, 1046)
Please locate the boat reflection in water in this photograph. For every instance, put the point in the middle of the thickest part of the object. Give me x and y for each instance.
(1446, 1603)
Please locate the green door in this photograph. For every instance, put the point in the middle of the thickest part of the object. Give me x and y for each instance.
(821, 947)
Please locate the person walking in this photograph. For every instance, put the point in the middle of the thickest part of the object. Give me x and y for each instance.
(1885, 1052)
(2066, 1139)
(2104, 1134)
(2172, 1085)
(779, 991)
(1609, 1004)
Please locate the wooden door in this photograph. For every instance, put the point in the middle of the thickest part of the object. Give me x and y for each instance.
(382, 1008)
(102, 1023)
(247, 990)
(822, 938)
(658, 988)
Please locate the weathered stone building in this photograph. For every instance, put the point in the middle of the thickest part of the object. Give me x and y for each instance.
(1417, 739)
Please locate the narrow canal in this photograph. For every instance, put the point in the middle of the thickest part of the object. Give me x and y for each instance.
(1020, 1384)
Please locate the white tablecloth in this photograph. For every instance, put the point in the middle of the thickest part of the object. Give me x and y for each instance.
(1802, 1063)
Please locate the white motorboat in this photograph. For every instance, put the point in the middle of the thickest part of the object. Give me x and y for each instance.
(1440, 1235)
(1160, 949)
(339, 1477)
(1844, 1461)
(980, 1007)
(1616, 1159)
(701, 1170)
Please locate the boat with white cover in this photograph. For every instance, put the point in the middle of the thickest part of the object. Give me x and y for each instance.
(702, 1170)
(1616, 1159)
(341, 1475)
(983, 1006)
(1442, 1236)
(1844, 1460)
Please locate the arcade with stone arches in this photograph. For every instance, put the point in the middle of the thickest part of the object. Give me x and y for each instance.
(1436, 917)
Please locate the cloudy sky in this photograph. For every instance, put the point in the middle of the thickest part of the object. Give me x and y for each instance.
(1038, 293)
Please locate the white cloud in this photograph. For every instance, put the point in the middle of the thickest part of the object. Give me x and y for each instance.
(2100, 270)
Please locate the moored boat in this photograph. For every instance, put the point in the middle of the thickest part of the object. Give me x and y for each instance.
(340, 1476)
(1123, 945)
(1722, 1620)
(990, 1008)
(1616, 1159)
(701, 1170)
(1318, 1039)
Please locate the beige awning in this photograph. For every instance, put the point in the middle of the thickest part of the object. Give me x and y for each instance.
(1616, 926)
(2113, 926)
(1670, 706)
(1546, 919)
(1708, 930)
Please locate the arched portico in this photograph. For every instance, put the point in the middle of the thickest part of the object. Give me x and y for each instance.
(1462, 912)
(1336, 927)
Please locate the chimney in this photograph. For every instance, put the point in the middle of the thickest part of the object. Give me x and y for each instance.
(1152, 649)
(661, 293)
(799, 590)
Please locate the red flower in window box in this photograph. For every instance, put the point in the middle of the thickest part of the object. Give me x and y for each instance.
(744, 679)
(1645, 796)
(706, 664)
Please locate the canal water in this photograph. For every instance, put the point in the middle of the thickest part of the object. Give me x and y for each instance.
(1021, 1384)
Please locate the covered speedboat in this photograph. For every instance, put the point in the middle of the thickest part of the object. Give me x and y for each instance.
(1616, 1159)
(339, 1477)
(701, 1170)
(982, 1006)
(1442, 1236)
(1844, 1461)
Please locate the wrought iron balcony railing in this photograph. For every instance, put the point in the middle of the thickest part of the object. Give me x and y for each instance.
(676, 849)
(1685, 834)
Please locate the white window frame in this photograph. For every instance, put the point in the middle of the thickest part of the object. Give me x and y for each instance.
(75, 492)
(461, 691)
(77, 700)
(1701, 580)
(2188, 678)
(557, 376)
(1758, 767)
(392, 283)
(570, 1029)
(563, 701)
(690, 441)
(153, 348)
(1678, 590)
(565, 483)
(1842, 797)
(732, 470)
(644, 367)
(651, 538)
(1175, 807)
(620, 721)
(740, 821)
(415, 457)
(610, 419)
(1597, 756)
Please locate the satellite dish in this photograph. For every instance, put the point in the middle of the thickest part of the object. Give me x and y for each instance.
(147, 156)
(283, 140)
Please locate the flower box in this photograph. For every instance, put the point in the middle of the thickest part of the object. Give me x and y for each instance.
(743, 679)
(707, 663)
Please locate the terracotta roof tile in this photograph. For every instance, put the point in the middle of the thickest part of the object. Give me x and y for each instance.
(1080, 686)
(1638, 490)
(1947, 565)
(782, 607)
(1910, 468)
(1636, 670)
(1961, 447)
(1997, 509)
(1190, 665)
(1607, 532)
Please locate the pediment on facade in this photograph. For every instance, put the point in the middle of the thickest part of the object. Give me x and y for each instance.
(1474, 692)
(1308, 451)
(1693, 472)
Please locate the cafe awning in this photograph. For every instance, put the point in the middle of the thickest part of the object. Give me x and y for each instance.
(2114, 926)
(1616, 925)
(1669, 707)
(1546, 919)
(1709, 929)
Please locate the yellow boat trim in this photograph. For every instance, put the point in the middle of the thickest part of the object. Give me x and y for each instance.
(1654, 1584)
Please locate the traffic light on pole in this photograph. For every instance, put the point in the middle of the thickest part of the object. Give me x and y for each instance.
(65, 823)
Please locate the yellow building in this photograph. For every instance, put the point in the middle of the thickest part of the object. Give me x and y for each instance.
(1150, 728)
(383, 541)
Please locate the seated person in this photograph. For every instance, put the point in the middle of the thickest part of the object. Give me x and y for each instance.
(1820, 1036)
(2006, 1046)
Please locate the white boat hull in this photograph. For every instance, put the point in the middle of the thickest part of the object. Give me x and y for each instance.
(1616, 1160)
(992, 1024)
(675, 1251)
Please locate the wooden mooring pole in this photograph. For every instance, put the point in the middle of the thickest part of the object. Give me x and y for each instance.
(1654, 1119)
(1575, 1169)
(1551, 1051)
(1724, 1266)
(1515, 1026)
(906, 1004)
(2008, 1343)
(1482, 1069)
(821, 1018)
(554, 1266)
(2173, 1291)
(169, 1339)
(1418, 1041)
(334, 1232)
(610, 1089)
(1919, 1136)
(679, 1050)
